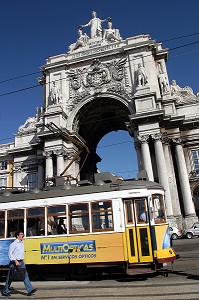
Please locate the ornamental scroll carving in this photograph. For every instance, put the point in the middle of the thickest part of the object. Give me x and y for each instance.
(98, 78)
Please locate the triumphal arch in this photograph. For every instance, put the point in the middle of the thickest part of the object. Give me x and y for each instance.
(105, 83)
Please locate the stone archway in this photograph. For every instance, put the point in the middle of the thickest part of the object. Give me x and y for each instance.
(109, 84)
(95, 119)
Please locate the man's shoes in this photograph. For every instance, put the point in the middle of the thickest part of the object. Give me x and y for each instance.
(6, 294)
(32, 292)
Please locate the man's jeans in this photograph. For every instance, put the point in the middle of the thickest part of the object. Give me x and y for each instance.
(27, 283)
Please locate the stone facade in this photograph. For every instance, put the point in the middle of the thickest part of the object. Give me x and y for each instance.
(104, 83)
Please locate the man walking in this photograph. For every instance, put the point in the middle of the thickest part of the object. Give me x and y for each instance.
(16, 256)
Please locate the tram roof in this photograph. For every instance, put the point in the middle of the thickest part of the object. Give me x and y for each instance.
(105, 182)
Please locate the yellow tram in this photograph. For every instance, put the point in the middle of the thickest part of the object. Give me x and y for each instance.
(117, 225)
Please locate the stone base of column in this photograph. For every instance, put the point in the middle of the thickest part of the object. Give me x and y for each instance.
(175, 221)
(189, 220)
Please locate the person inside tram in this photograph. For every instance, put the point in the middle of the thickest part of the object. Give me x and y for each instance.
(41, 225)
(142, 212)
(51, 225)
(30, 226)
(158, 211)
(143, 216)
(12, 227)
(61, 227)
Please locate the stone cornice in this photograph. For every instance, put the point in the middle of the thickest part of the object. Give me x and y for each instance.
(103, 49)
(20, 149)
(150, 114)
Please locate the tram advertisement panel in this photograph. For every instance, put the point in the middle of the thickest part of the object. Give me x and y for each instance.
(4, 247)
(76, 249)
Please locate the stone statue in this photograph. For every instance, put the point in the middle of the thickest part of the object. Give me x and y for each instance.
(55, 94)
(82, 40)
(163, 82)
(142, 78)
(30, 124)
(181, 94)
(174, 87)
(95, 24)
(111, 34)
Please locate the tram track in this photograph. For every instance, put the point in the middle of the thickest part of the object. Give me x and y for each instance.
(173, 287)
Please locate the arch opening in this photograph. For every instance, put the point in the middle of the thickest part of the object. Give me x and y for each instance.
(118, 155)
(93, 121)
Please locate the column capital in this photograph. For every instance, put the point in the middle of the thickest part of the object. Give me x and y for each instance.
(69, 153)
(48, 153)
(157, 136)
(17, 167)
(58, 152)
(177, 141)
(166, 140)
(143, 138)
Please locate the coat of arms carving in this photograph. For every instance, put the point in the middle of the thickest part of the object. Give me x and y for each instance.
(96, 78)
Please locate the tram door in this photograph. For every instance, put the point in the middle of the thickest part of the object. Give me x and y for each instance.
(139, 246)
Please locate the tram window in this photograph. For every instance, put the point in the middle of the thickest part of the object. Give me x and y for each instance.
(129, 214)
(35, 221)
(144, 241)
(53, 216)
(158, 208)
(2, 224)
(78, 218)
(141, 210)
(15, 221)
(102, 215)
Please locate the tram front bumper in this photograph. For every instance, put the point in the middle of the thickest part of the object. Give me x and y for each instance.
(165, 255)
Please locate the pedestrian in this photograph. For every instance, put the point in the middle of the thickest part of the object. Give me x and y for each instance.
(16, 256)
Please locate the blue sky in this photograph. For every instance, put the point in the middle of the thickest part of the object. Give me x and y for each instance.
(35, 29)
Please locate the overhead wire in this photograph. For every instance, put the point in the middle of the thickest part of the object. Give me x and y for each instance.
(33, 73)
(170, 49)
(38, 85)
(180, 37)
(19, 77)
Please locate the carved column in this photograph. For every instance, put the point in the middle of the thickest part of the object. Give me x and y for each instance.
(162, 171)
(172, 179)
(184, 179)
(60, 161)
(70, 166)
(146, 158)
(49, 164)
